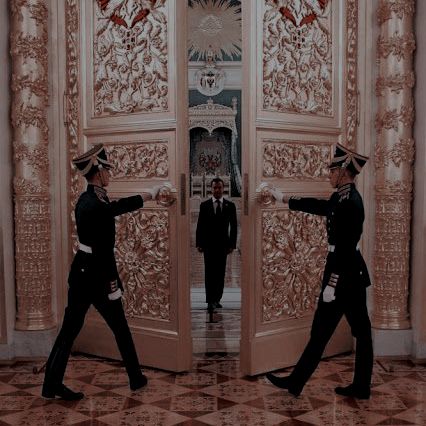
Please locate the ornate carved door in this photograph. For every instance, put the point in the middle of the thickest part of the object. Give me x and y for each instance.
(125, 73)
(300, 98)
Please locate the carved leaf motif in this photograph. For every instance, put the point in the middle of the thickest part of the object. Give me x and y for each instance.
(293, 258)
(130, 58)
(401, 152)
(399, 7)
(351, 73)
(139, 160)
(297, 58)
(295, 160)
(400, 46)
(143, 260)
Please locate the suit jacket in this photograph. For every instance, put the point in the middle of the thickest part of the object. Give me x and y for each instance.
(95, 221)
(345, 217)
(217, 231)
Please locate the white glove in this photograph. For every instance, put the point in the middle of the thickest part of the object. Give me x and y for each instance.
(277, 194)
(115, 295)
(154, 191)
(328, 294)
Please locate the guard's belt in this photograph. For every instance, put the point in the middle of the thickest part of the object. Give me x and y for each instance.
(84, 248)
(331, 248)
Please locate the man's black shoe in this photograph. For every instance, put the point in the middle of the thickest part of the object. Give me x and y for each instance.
(218, 305)
(283, 383)
(353, 392)
(138, 384)
(61, 392)
(210, 307)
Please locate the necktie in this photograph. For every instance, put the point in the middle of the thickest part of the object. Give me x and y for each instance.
(218, 208)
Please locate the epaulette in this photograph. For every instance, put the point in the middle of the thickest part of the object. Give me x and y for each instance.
(344, 192)
(101, 194)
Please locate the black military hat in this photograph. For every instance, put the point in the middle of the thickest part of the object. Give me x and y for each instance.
(347, 159)
(95, 157)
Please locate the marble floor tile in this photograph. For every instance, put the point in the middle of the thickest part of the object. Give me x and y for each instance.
(214, 392)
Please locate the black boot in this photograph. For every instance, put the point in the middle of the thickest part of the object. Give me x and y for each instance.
(283, 383)
(353, 392)
(139, 383)
(61, 392)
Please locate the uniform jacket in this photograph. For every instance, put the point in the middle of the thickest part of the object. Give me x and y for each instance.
(217, 231)
(345, 216)
(95, 221)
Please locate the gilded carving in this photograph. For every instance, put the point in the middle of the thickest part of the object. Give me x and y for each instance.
(211, 116)
(130, 51)
(392, 118)
(396, 83)
(143, 259)
(392, 257)
(72, 102)
(394, 157)
(399, 7)
(297, 57)
(402, 151)
(29, 51)
(139, 160)
(295, 160)
(400, 46)
(293, 258)
(351, 73)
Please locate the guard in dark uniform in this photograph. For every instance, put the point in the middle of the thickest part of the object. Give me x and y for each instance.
(93, 278)
(345, 278)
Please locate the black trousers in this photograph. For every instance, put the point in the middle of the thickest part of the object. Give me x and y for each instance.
(112, 312)
(352, 303)
(214, 273)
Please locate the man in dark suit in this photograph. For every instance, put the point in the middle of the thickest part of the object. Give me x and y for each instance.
(216, 237)
(344, 281)
(93, 278)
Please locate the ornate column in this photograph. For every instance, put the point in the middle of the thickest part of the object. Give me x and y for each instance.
(394, 163)
(29, 52)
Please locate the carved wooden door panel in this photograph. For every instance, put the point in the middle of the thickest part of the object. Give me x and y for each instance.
(126, 70)
(300, 88)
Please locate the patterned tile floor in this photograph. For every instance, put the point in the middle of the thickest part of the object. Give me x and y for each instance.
(222, 335)
(214, 392)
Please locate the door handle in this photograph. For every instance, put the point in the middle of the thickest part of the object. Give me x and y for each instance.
(264, 195)
(166, 195)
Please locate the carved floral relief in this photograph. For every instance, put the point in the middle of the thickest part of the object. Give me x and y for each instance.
(293, 257)
(295, 160)
(143, 260)
(130, 50)
(394, 157)
(351, 111)
(31, 181)
(139, 160)
(297, 56)
(71, 109)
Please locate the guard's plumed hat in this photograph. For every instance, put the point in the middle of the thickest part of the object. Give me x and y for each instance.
(347, 159)
(95, 157)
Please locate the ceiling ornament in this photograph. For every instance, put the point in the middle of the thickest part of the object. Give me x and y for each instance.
(214, 29)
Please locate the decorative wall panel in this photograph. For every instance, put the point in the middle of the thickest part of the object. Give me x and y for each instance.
(293, 258)
(30, 98)
(143, 259)
(130, 57)
(295, 160)
(71, 107)
(351, 98)
(135, 160)
(297, 57)
(394, 158)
